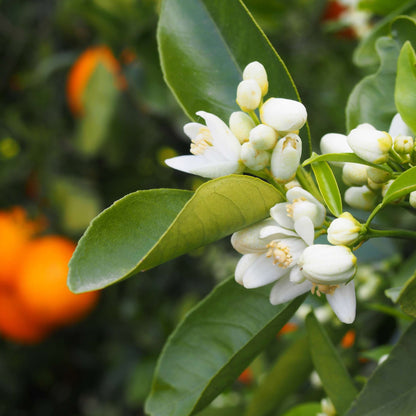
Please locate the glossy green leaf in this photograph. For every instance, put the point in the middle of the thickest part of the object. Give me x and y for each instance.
(381, 7)
(343, 157)
(405, 94)
(147, 228)
(403, 29)
(212, 346)
(288, 373)
(403, 185)
(391, 390)
(100, 100)
(203, 55)
(407, 297)
(332, 372)
(328, 187)
(372, 99)
(366, 53)
(305, 409)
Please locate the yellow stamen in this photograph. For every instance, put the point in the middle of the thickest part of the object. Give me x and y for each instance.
(201, 142)
(280, 253)
(289, 207)
(327, 289)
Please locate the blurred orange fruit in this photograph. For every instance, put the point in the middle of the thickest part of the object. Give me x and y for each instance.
(82, 70)
(246, 377)
(15, 323)
(15, 232)
(348, 339)
(41, 283)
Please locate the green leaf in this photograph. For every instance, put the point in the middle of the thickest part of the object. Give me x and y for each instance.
(328, 187)
(403, 29)
(403, 185)
(405, 93)
(288, 373)
(147, 228)
(212, 346)
(366, 54)
(407, 297)
(382, 7)
(305, 409)
(203, 55)
(391, 390)
(335, 378)
(372, 99)
(343, 157)
(99, 99)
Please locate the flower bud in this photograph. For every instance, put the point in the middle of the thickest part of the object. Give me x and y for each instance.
(255, 70)
(283, 115)
(286, 157)
(327, 265)
(254, 159)
(398, 127)
(374, 186)
(412, 199)
(334, 143)
(354, 174)
(241, 124)
(403, 144)
(370, 144)
(344, 230)
(378, 175)
(248, 95)
(360, 197)
(263, 137)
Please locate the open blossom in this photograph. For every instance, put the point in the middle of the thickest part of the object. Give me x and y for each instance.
(215, 150)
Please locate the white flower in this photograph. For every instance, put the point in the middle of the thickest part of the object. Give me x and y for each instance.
(360, 197)
(398, 127)
(335, 143)
(412, 199)
(255, 70)
(403, 144)
(378, 175)
(370, 144)
(248, 95)
(263, 137)
(254, 159)
(344, 230)
(215, 149)
(241, 125)
(354, 174)
(286, 158)
(284, 115)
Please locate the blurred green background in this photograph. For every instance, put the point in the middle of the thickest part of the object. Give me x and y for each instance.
(69, 167)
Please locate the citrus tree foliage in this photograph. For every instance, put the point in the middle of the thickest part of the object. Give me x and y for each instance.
(301, 227)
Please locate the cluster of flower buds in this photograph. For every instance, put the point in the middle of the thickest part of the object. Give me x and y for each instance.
(392, 150)
(247, 144)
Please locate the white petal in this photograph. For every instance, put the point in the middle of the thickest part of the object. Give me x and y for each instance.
(398, 127)
(284, 290)
(276, 232)
(199, 165)
(299, 193)
(279, 214)
(296, 275)
(305, 229)
(343, 302)
(262, 272)
(192, 129)
(243, 264)
(222, 137)
(248, 240)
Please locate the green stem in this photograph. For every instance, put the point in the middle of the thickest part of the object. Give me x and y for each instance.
(373, 214)
(253, 115)
(371, 233)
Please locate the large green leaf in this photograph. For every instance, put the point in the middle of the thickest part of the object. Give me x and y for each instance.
(405, 94)
(289, 372)
(212, 346)
(382, 7)
(407, 297)
(391, 390)
(204, 46)
(332, 372)
(403, 185)
(328, 186)
(305, 409)
(147, 228)
(366, 54)
(372, 99)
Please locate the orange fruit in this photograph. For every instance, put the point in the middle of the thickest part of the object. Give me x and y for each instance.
(41, 283)
(15, 232)
(15, 323)
(82, 70)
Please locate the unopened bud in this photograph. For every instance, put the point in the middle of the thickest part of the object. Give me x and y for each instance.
(403, 144)
(253, 158)
(374, 186)
(378, 175)
(284, 115)
(344, 230)
(354, 174)
(412, 199)
(369, 143)
(241, 125)
(286, 157)
(263, 137)
(255, 70)
(360, 197)
(398, 127)
(248, 95)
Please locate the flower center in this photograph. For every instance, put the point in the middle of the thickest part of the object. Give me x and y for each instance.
(280, 253)
(290, 207)
(327, 289)
(201, 142)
